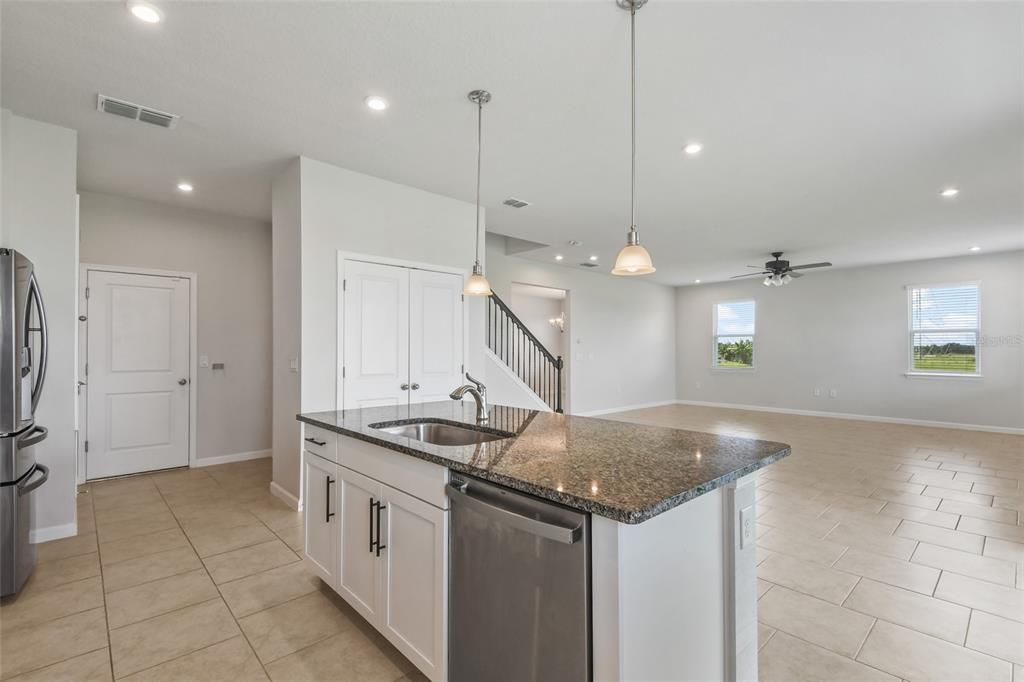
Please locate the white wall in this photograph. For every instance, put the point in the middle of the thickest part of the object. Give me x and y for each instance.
(847, 329)
(620, 335)
(40, 220)
(231, 258)
(535, 312)
(341, 210)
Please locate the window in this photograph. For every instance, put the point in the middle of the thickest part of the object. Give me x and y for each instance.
(734, 335)
(944, 329)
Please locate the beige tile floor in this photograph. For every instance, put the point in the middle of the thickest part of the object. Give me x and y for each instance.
(186, 575)
(886, 552)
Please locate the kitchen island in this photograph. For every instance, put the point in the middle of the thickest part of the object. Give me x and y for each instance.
(672, 558)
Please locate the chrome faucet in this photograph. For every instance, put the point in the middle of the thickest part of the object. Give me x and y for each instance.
(479, 393)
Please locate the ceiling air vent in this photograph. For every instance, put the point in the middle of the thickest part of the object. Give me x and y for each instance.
(120, 107)
(515, 203)
(588, 265)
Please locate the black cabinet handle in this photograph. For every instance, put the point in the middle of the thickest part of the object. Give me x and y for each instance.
(314, 441)
(380, 510)
(373, 505)
(327, 501)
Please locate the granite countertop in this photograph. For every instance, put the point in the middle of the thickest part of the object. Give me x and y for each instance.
(623, 471)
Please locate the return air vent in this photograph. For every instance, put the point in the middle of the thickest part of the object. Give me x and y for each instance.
(120, 107)
(588, 265)
(515, 203)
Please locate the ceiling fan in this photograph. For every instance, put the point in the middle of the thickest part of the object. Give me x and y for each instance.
(778, 271)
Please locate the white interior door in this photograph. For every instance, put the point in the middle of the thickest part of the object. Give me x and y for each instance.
(376, 335)
(435, 335)
(137, 373)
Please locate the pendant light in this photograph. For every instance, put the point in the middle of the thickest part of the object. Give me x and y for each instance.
(633, 259)
(477, 284)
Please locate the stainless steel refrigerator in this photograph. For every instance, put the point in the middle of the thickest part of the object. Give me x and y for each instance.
(22, 372)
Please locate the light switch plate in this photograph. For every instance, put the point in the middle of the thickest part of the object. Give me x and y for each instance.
(204, 360)
(746, 527)
(293, 364)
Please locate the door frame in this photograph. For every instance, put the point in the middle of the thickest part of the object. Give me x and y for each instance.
(339, 351)
(83, 352)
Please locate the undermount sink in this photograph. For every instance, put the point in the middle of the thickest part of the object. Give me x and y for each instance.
(440, 433)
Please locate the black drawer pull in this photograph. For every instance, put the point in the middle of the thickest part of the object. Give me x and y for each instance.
(314, 441)
(327, 501)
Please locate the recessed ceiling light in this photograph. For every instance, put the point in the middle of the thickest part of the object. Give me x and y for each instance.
(376, 103)
(185, 187)
(559, 257)
(693, 148)
(143, 11)
(974, 248)
(949, 192)
(593, 258)
(696, 281)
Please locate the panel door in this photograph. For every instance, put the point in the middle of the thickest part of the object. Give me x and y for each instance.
(435, 335)
(137, 373)
(358, 577)
(376, 335)
(321, 517)
(414, 614)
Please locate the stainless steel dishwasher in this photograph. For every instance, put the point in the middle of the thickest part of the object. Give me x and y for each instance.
(519, 587)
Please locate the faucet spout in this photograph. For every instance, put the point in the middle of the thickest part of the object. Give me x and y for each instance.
(479, 393)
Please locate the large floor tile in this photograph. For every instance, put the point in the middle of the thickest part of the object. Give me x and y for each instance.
(807, 577)
(801, 546)
(231, 659)
(143, 569)
(816, 621)
(934, 518)
(36, 606)
(888, 570)
(209, 518)
(954, 539)
(1003, 531)
(67, 547)
(913, 610)
(150, 599)
(788, 659)
(797, 523)
(348, 656)
(142, 525)
(26, 649)
(1000, 600)
(142, 545)
(218, 540)
(915, 656)
(979, 511)
(997, 636)
(965, 563)
(867, 538)
(1004, 549)
(292, 626)
(270, 588)
(157, 640)
(249, 560)
(91, 667)
(60, 571)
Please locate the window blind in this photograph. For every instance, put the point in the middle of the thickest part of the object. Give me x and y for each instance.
(944, 329)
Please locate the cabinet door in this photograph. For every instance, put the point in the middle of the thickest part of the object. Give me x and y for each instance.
(376, 335)
(435, 335)
(321, 507)
(359, 576)
(414, 616)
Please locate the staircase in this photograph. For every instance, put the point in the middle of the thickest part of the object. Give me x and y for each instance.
(514, 344)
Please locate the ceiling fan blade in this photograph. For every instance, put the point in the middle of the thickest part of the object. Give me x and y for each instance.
(756, 267)
(751, 274)
(809, 265)
(795, 274)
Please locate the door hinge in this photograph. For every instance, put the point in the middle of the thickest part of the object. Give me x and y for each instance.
(87, 292)
(463, 298)
(344, 285)
(462, 369)
(87, 369)
(87, 446)
(343, 371)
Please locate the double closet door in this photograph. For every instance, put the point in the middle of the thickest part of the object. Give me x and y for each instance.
(402, 335)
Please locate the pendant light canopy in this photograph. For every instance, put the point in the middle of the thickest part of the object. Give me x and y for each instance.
(633, 259)
(477, 284)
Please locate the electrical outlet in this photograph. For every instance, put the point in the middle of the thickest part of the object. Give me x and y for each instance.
(833, 393)
(293, 365)
(817, 392)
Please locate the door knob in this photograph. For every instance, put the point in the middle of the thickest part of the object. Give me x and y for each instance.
(182, 382)
(404, 387)
(415, 387)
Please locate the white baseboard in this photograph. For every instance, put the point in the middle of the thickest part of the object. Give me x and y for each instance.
(624, 408)
(227, 459)
(285, 496)
(52, 533)
(856, 417)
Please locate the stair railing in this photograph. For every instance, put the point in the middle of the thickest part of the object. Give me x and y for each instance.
(523, 353)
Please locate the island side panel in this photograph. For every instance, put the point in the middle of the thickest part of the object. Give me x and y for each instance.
(739, 511)
(660, 611)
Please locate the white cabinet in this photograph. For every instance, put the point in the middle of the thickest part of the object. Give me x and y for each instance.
(359, 578)
(413, 582)
(321, 505)
(402, 336)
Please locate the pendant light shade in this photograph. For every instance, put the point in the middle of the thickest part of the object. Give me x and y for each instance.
(477, 284)
(633, 259)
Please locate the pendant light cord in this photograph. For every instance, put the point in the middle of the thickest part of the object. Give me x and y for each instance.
(632, 114)
(479, 145)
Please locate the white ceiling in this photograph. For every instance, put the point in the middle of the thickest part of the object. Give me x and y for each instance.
(829, 128)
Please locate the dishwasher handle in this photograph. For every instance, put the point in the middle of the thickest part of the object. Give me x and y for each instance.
(460, 494)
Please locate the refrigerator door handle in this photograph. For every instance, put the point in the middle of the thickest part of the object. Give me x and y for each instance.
(35, 298)
(460, 494)
(36, 483)
(36, 434)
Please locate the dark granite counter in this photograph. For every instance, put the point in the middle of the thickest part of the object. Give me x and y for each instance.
(623, 471)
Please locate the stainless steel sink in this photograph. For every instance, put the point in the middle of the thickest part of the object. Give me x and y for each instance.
(440, 434)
